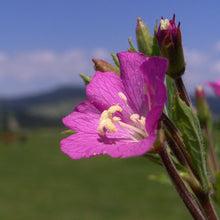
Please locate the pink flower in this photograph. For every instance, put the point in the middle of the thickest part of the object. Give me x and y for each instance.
(215, 86)
(120, 117)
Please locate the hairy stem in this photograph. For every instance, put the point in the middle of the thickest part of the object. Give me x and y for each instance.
(205, 202)
(213, 158)
(182, 90)
(179, 185)
(178, 143)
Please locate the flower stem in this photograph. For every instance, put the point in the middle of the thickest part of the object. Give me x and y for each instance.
(182, 90)
(178, 143)
(212, 154)
(179, 185)
(205, 202)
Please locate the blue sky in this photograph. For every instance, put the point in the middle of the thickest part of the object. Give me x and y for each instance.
(46, 43)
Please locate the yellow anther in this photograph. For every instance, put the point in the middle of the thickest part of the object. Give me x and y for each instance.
(135, 117)
(143, 120)
(164, 24)
(122, 96)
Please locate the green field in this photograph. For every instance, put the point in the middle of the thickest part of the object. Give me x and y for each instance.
(38, 181)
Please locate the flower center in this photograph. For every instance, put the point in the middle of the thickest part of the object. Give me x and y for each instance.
(164, 24)
(134, 128)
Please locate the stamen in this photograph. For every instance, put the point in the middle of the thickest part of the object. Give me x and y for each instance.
(139, 131)
(164, 24)
(135, 117)
(122, 96)
(136, 130)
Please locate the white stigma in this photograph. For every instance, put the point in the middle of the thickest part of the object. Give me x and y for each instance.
(164, 24)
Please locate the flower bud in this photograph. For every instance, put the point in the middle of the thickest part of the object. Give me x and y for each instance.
(202, 106)
(103, 66)
(170, 43)
(144, 38)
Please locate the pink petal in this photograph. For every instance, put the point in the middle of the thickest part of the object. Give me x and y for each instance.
(154, 71)
(103, 92)
(215, 86)
(132, 79)
(84, 118)
(82, 145)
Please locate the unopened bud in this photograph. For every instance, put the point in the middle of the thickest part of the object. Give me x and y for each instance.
(103, 66)
(170, 43)
(144, 38)
(202, 106)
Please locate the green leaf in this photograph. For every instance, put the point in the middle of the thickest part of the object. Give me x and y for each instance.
(115, 58)
(188, 124)
(155, 46)
(132, 48)
(85, 78)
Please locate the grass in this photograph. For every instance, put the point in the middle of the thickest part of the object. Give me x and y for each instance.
(38, 181)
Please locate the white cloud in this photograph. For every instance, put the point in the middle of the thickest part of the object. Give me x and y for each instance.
(32, 71)
(201, 66)
(195, 57)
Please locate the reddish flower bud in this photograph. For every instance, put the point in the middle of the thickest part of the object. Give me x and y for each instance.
(170, 43)
(202, 106)
(103, 66)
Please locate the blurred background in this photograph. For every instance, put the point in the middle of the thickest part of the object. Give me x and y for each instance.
(43, 47)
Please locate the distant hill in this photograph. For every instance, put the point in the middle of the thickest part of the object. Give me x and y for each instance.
(47, 109)
(53, 96)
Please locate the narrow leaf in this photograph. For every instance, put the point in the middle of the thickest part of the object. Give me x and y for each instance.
(115, 58)
(85, 78)
(155, 47)
(188, 124)
(132, 48)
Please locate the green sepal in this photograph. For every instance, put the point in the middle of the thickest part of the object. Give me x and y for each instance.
(68, 132)
(155, 46)
(188, 124)
(86, 79)
(132, 48)
(144, 38)
(115, 59)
